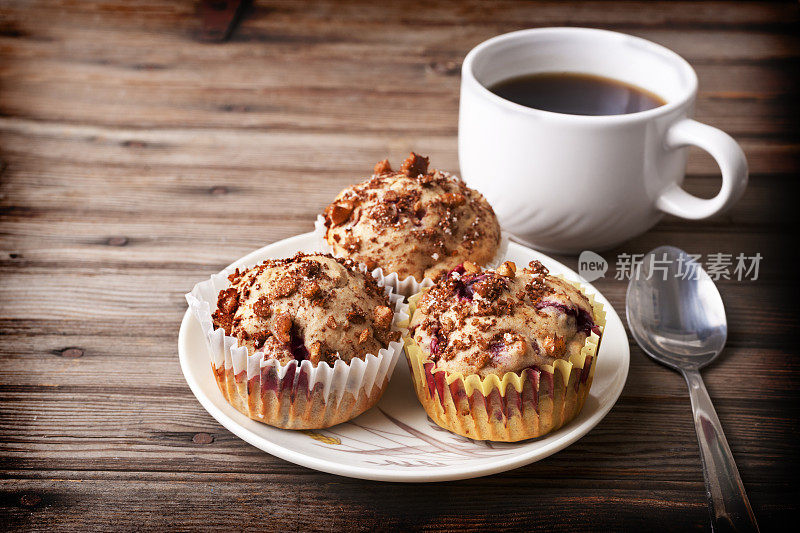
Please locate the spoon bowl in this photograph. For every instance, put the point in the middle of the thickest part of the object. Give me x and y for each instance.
(675, 312)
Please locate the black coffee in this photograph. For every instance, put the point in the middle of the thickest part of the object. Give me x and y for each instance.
(576, 94)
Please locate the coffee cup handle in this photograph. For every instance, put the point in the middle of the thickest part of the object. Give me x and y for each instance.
(730, 158)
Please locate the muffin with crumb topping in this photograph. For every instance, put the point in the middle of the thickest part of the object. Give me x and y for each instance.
(523, 340)
(413, 222)
(315, 338)
(312, 307)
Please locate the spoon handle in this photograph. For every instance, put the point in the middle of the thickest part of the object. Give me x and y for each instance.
(727, 500)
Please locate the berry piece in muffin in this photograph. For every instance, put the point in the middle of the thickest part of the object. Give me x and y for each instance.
(415, 222)
(484, 322)
(312, 307)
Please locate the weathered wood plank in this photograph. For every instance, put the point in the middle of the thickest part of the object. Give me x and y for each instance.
(747, 100)
(227, 504)
(325, 502)
(269, 156)
(36, 192)
(126, 361)
(152, 433)
(155, 294)
(156, 15)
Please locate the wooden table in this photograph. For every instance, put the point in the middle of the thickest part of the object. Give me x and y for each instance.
(137, 160)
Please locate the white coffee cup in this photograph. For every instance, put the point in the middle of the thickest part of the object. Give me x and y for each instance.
(568, 183)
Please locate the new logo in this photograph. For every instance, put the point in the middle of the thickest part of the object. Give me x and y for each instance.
(591, 266)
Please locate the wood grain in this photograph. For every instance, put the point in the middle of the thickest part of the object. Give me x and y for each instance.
(136, 160)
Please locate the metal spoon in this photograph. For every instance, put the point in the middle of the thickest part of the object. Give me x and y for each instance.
(676, 315)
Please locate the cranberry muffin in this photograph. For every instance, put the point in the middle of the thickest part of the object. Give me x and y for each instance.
(413, 222)
(523, 339)
(300, 343)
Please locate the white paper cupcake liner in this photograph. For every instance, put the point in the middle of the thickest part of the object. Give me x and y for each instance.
(407, 286)
(268, 391)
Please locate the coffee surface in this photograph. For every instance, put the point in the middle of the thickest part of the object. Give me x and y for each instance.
(576, 94)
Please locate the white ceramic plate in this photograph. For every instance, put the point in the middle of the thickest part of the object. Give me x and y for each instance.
(395, 440)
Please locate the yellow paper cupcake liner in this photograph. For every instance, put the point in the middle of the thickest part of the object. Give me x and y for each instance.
(512, 408)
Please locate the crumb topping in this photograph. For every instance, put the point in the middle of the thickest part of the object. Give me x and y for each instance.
(416, 221)
(310, 306)
(477, 321)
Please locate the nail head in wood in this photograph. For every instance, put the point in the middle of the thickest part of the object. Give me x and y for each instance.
(203, 438)
(72, 353)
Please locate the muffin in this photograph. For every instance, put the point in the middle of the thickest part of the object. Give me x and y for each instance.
(413, 222)
(503, 355)
(307, 342)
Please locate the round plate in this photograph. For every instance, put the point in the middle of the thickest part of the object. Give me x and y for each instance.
(395, 440)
